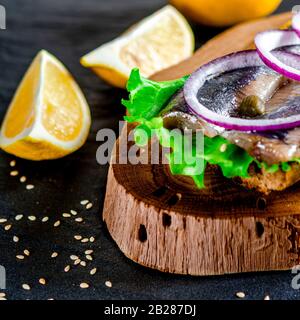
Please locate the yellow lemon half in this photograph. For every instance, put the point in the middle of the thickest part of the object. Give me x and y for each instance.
(48, 117)
(155, 43)
(226, 12)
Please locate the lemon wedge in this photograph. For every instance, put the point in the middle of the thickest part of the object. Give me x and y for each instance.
(48, 117)
(155, 43)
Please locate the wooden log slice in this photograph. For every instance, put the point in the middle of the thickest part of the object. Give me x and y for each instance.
(164, 222)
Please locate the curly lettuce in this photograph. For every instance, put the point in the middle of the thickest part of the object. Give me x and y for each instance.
(147, 98)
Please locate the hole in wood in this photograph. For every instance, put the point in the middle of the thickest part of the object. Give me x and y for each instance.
(174, 199)
(142, 234)
(138, 152)
(260, 229)
(184, 223)
(261, 203)
(167, 220)
(160, 192)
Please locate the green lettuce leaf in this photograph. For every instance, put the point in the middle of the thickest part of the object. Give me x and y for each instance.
(147, 98)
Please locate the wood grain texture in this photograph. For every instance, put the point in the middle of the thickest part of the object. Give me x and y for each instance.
(163, 222)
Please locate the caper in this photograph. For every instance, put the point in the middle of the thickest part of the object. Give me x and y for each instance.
(252, 106)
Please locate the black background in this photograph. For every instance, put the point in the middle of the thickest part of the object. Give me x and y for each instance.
(69, 29)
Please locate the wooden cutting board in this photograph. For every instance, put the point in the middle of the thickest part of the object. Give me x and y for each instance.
(163, 222)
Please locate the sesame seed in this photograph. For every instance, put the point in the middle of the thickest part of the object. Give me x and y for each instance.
(12, 163)
(84, 285)
(54, 255)
(84, 202)
(20, 257)
(57, 224)
(18, 217)
(26, 252)
(26, 286)
(79, 219)
(66, 215)
(108, 284)
(32, 218)
(23, 179)
(93, 271)
(267, 297)
(85, 240)
(67, 268)
(29, 186)
(2, 295)
(88, 251)
(3, 220)
(74, 213)
(45, 219)
(73, 257)
(15, 239)
(2, 299)
(83, 263)
(89, 206)
(76, 262)
(240, 295)
(89, 257)
(42, 281)
(7, 227)
(92, 239)
(14, 173)
(223, 147)
(77, 237)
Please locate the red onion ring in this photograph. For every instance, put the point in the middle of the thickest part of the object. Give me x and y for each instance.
(268, 41)
(230, 62)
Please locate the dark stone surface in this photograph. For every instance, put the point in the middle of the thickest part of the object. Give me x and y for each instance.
(69, 29)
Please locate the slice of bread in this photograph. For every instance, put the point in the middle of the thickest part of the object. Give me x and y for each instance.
(265, 182)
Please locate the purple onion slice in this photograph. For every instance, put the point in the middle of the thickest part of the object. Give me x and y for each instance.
(270, 40)
(229, 63)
